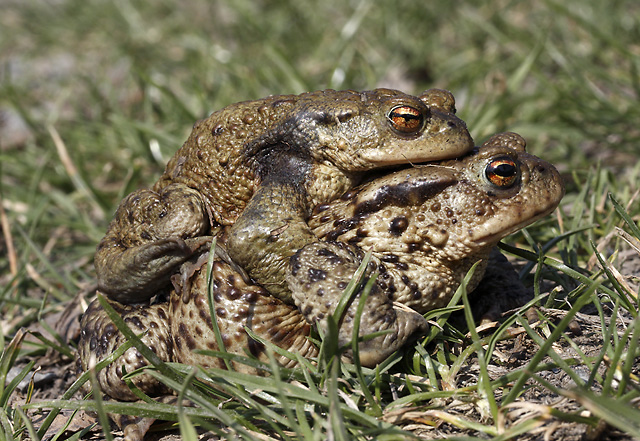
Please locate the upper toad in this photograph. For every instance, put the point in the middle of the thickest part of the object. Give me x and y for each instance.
(310, 147)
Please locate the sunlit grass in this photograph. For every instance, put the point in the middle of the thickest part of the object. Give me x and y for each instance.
(96, 96)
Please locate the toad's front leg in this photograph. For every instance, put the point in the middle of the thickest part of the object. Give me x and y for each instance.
(151, 235)
(318, 276)
(270, 230)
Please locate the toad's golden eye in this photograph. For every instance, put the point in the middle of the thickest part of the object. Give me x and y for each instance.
(502, 172)
(406, 119)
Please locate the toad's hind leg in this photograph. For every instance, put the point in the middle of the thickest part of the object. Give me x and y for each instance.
(318, 275)
(151, 235)
(99, 338)
(237, 306)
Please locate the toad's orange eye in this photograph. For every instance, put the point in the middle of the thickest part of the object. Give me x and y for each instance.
(502, 172)
(406, 119)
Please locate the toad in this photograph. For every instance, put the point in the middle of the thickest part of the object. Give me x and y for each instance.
(424, 226)
(303, 150)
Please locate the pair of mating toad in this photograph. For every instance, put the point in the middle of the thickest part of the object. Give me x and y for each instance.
(287, 187)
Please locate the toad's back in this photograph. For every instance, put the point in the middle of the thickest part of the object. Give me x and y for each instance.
(212, 159)
(339, 133)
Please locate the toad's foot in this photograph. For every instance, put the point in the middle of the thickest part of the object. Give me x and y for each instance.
(134, 428)
(182, 281)
(141, 272)
(99, 338)
(318, 276)
(152, 234)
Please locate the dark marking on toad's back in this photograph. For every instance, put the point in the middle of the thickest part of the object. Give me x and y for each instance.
(402, 194)
(398, 225)
(316, 275)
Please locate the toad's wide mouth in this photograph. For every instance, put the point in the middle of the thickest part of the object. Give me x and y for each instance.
(377, 173)
(383, 171)
(414, 152)
(408, 160)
